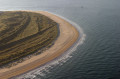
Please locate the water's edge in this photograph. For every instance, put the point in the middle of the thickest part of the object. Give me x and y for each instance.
(59, 60)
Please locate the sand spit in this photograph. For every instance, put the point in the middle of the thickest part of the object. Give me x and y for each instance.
(68, 36)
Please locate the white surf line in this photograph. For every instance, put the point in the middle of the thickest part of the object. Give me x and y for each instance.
(42, 70)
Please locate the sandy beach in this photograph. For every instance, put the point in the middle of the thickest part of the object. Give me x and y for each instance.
(68, 36)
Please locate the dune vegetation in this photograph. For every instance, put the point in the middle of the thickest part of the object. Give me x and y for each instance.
(23, 33)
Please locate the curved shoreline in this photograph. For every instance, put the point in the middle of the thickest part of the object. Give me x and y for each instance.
(68, 36)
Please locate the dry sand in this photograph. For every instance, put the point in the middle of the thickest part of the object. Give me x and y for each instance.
(68, 36)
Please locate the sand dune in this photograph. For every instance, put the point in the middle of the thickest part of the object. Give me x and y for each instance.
(68, 35)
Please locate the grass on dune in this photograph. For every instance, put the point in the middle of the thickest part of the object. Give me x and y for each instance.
(22, 33)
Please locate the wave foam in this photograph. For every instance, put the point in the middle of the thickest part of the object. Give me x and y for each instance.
(42, 70)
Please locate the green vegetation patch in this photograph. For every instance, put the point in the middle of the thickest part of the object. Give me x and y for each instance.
(23, 33)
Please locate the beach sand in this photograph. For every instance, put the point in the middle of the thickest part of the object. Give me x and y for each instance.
(68, 36)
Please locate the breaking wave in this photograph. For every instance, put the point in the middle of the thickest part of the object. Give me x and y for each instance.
(42, 70)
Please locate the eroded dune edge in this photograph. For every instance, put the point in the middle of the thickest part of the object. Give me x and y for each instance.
(67, 37)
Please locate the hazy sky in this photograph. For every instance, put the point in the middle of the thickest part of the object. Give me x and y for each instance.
(58, 3)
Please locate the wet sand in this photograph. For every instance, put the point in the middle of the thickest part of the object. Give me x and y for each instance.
(68, 36)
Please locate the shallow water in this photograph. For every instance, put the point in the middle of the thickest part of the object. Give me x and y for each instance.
(98, 57)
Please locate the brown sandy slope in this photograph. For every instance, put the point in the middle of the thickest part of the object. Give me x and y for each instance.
(68, 36)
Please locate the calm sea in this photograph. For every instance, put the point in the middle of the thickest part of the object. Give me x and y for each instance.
(98, 57)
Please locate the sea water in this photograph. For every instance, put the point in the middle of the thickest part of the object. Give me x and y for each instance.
(96, 54)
